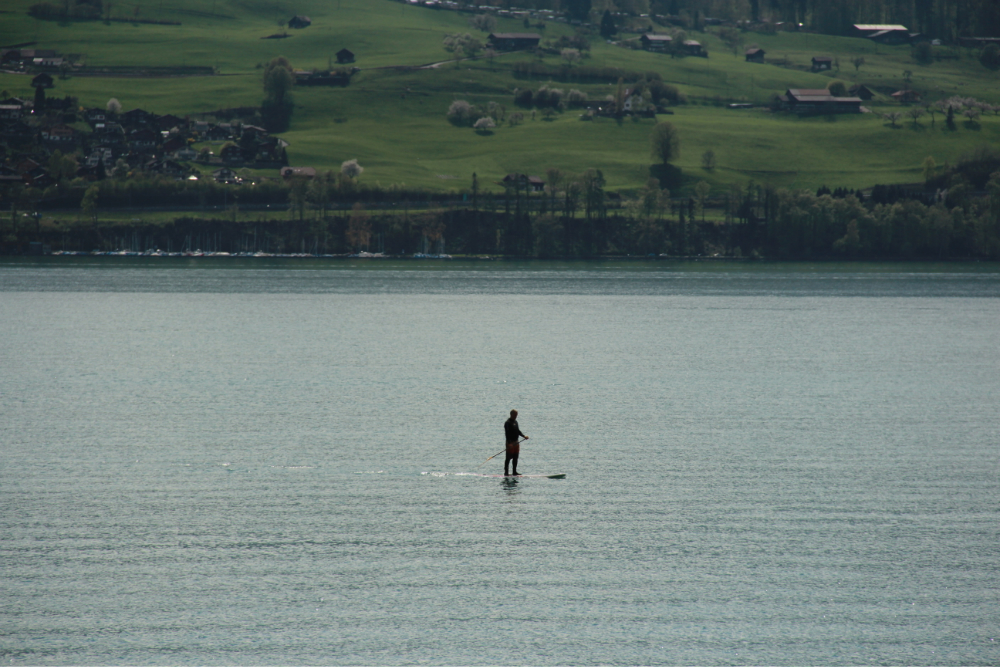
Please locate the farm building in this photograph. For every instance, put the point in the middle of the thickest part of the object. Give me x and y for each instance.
(693, 48)
(43, 80)
(345, 56)
(754, 55)
(514, 41)
(822, 63)
(533, 183)
(862, 91)
(299, 21)
(814, 101)
(656, 43)
(906, 96)
(883, 33)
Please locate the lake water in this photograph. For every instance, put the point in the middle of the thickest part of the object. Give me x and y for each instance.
(232, 462)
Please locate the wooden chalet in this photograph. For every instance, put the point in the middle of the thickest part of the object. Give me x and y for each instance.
(11, 111)
(299, 22)
(656, 43)
(694, 48)
(754, 55)
(59, 134)
(43, 80)
(818, 101)
(906, 96)
(345, 56)
(822, 63)
(533, 183)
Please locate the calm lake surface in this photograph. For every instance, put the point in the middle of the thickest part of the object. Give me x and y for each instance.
(233, 462)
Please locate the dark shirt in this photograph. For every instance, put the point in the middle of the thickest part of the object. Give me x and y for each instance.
(511, 430)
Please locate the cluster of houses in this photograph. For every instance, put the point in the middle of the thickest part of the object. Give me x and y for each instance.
(20, 59)
(139, 139)
(665, 44)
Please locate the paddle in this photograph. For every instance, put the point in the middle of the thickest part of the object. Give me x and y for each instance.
(496, 455)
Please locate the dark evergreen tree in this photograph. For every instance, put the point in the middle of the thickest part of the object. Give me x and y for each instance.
(39, 99)
(608, 27)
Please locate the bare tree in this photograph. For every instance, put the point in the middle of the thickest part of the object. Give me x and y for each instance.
(915, 113)
(665, 142)
(483, 22)
(892, 117)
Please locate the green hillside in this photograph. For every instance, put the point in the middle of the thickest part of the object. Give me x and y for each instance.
(393, 121)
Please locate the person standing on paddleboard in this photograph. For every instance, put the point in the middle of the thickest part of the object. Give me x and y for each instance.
(511, 433)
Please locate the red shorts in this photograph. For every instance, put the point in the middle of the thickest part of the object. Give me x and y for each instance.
(513, 448)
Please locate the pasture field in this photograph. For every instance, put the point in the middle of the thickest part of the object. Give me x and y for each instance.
(393, 120)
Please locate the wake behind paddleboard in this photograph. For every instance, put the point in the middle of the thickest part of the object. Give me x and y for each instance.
(557, 475)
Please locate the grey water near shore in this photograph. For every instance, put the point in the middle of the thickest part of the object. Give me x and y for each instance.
(230, 462)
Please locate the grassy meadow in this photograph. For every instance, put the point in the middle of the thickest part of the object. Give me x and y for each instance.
(393, 121)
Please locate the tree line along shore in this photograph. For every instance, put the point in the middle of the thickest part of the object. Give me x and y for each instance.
(954, 216)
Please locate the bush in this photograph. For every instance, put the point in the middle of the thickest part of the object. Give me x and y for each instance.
(923, 53)
(576, 98)
(837, 88)
(548, 97)
(483, 22)
(523, 98)
(665, 93)
(990, 56)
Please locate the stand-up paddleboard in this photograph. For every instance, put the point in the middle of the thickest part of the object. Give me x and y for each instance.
(556, 475)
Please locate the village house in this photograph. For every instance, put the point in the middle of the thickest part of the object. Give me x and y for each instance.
(822, 63)
(50, 63)
(110, 134)
(59, 134)
(43, 80)
(299, 22)
(533, 183)
(10, 111)
(513, 41)
(231, 153)
(656, 43)
(169, 122)
(136, 118)
(93, 116)
(754, 55)
(27, 56)
(906, 96)
(345, 56)
(694, 48)
(226, 175)
(143, 139)
(186, 154)
(818, 101)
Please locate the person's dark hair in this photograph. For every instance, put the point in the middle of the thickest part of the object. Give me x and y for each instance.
(513, 413)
